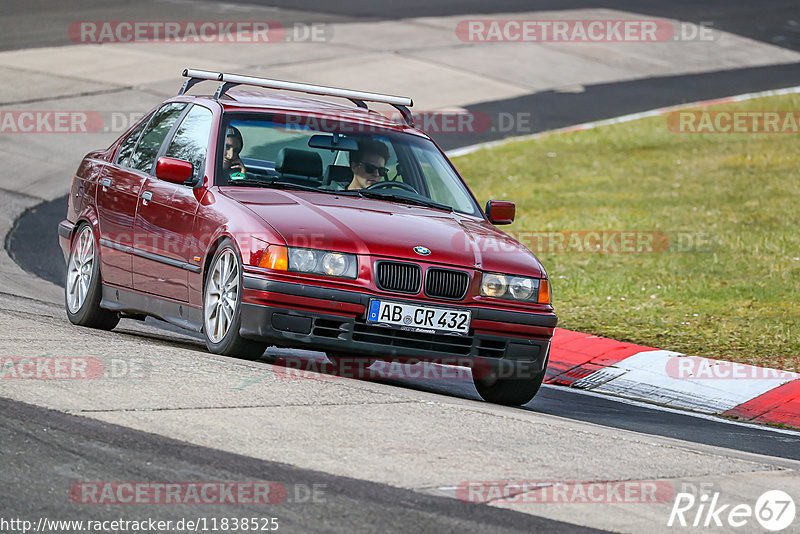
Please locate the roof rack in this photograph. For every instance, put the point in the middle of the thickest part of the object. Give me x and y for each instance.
(359, 98)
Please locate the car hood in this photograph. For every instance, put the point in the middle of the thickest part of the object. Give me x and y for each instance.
(387, 229)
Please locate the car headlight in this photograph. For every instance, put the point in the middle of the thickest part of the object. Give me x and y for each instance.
(313, 261)
(494, 285)
(520, 288)
(302, 259)
(334, 264)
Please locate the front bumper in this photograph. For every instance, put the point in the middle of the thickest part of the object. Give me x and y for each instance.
(317, 318)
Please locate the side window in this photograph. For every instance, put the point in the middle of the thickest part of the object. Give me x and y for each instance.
(126, 148)
(191, 139)
(153, 137)
(434, 167)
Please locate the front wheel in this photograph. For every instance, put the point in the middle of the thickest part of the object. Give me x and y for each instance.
(222, 307)
(83, 289)
(508, 391)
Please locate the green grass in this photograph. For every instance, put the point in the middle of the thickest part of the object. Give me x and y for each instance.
(738, 301)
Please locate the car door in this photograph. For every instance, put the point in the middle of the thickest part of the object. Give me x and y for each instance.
(116, 202)
(118, 196)
(166, 214)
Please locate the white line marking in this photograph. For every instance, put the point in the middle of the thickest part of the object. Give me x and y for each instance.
(660, 408)
(654, 375)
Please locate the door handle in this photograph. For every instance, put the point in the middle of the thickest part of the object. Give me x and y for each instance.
(147, 196)
(106, 182)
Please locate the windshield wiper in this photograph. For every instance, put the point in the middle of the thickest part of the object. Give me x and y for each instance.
(299, 187)
(277, 184)
(248, 181)
(404, 200)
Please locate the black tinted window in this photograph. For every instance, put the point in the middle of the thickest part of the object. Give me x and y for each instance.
(154, 135)
(191, 139)
(126, 148)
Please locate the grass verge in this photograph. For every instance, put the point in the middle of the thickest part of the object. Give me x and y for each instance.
(727, 284)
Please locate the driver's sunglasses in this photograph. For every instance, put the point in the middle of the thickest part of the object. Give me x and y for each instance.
(369, 168)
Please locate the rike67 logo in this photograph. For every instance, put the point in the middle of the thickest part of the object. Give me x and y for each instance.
(774, 511)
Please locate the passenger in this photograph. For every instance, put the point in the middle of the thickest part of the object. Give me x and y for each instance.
(232, 166)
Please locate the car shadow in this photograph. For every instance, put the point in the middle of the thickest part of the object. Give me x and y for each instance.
(292, 363)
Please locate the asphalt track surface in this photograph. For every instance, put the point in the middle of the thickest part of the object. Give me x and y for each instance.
(776, 22)
(62, 445)
(50, 448)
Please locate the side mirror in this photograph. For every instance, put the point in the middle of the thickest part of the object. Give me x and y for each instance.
(174, 170)
(500, 211)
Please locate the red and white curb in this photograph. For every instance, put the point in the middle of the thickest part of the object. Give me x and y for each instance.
(673, 379)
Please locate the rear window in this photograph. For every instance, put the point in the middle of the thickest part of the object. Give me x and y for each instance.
(127, 146)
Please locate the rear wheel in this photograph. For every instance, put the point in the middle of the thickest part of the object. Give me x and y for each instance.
(83, 289)
(222, 306)
(508, 391)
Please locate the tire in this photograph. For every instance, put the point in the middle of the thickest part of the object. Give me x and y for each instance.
(222, 306)
(508, 391)
(83, 286)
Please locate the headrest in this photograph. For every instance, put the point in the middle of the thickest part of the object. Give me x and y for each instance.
(300, 162)
(339, 174)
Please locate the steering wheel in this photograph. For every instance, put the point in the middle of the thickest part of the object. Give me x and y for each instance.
(388, 185)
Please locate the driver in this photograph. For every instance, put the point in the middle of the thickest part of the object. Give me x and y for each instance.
(232, 166)
(368, 164)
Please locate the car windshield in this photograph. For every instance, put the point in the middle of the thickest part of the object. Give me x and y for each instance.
(329, 156)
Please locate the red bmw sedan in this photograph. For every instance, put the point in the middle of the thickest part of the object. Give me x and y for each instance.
(266, 219)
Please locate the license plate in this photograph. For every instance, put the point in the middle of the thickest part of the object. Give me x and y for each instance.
(425, 319)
